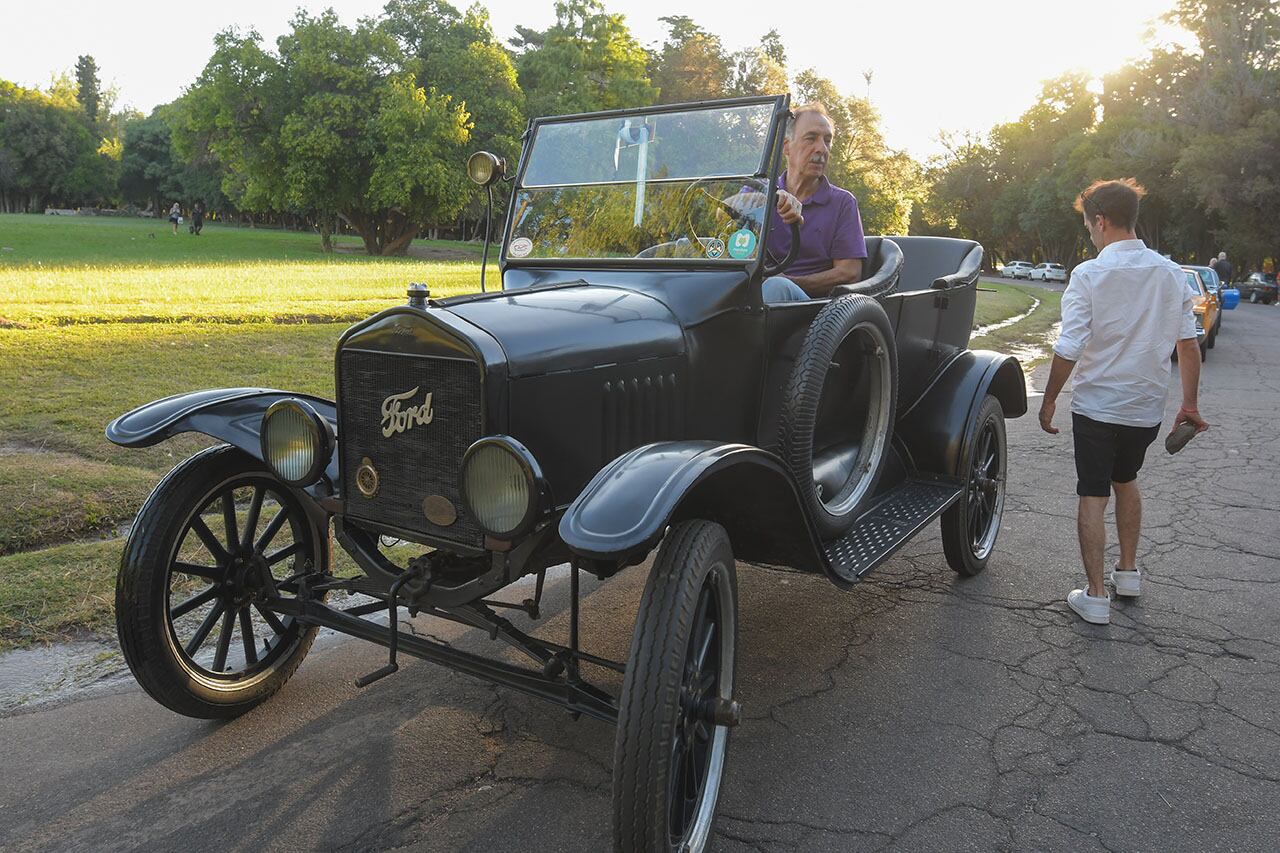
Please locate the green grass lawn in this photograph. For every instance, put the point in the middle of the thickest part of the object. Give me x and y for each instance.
(997, 302)
(66, 270)
(1025, 338)
(97, 317)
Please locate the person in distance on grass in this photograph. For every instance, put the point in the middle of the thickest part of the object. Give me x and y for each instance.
(175, 214)
(1123, 313)
(197, 217)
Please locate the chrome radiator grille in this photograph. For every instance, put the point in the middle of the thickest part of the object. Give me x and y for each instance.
(421, 460)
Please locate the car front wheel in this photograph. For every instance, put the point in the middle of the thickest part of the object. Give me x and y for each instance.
(217, 538)
(676, 705)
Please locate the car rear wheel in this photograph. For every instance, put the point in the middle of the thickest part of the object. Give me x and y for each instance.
(971, 524)
(1253, 297)
(837, 411)
(676, 705)
(217, 537)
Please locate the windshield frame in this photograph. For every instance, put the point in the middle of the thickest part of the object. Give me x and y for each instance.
(772, 158)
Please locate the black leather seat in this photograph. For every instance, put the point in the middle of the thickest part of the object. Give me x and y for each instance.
(880, 270)
(939, 262)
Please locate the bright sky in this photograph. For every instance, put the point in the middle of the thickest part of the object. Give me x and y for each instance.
(959, 66)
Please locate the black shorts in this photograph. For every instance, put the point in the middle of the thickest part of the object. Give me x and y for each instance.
(1108, 453)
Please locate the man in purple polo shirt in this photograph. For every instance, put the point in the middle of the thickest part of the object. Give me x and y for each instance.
(832, 245)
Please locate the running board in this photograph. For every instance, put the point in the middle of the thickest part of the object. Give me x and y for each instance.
(888, 524)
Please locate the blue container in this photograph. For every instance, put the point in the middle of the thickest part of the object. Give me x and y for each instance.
(1230, 298)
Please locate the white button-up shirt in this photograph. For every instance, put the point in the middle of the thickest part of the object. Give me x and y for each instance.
(1122, 315)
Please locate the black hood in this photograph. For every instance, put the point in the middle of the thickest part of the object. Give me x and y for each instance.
(573, 328)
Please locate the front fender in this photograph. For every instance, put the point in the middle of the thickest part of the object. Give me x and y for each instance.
(934, 428)
(624, 511)
(233, 415)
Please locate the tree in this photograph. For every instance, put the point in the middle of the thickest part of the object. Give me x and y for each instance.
(47, 155)
(457, 54)
(756, 71)
(148, 171)
(333, 125)
(691, 64)
(588, 60)
(88, 92)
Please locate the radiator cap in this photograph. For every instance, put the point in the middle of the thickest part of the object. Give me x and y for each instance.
(418, 295)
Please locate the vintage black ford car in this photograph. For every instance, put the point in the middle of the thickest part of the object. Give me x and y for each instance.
(625, 390)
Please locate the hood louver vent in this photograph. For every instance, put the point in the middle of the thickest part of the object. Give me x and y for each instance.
(639, 411)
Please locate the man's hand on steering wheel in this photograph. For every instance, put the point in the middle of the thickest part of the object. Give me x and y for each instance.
(790, 208)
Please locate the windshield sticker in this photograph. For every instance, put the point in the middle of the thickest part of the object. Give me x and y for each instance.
(520, 247)
(715, 249)
(742, 243)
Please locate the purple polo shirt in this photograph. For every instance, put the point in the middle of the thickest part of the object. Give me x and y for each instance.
(832, 229)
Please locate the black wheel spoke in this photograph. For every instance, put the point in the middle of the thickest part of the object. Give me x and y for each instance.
(193, 602)
(704, 647)
(224, 640)
(675, 785)
(229, 518)
(202, 633)
(251, 522)
(273, 527)
(210, 541)
(209, 573)
(247, 637)
(271, 619)
(284, 553)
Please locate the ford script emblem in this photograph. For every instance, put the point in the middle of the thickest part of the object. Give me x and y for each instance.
(397, 419)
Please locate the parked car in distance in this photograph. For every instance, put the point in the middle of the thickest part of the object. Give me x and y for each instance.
(1016, 269)
(1258, 288)
(1206, 311)
(1048, 272)
(1228, 297)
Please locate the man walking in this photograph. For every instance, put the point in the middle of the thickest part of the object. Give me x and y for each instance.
(1122, 315)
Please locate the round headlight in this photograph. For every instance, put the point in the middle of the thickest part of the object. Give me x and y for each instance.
(295, 442)
(499, 486)
(484, 168)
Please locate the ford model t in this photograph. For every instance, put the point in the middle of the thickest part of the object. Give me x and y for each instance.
(625, 390)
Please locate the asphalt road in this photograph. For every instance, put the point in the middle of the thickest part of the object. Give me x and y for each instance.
(917, 712)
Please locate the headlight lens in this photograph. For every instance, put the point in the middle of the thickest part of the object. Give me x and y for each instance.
(498, 485)
(295, 442)
(484, 168)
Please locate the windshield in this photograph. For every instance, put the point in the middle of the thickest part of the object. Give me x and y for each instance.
(1193, 282)
(684, 184)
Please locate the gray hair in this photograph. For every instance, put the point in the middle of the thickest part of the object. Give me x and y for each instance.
(1222, 256)
(814, 107)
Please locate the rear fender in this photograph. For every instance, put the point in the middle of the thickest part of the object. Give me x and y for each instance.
(625, 510)
(934, 428)
(233, 415)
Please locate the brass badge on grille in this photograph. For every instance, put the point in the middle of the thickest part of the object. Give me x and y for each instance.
(439, 510)
(396, 419)
(367, 478)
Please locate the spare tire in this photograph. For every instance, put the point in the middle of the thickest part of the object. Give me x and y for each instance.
(838, 409)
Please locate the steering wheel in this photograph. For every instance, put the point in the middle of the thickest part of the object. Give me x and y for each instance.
(791, 253)
(738, 218)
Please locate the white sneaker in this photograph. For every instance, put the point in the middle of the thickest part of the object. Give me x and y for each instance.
(1091, 609)
(1128, 584)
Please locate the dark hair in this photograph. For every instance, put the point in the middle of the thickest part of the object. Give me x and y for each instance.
(1116, 200)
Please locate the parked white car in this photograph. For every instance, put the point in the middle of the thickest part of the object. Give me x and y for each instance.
(1048, 272)
(1016, 269)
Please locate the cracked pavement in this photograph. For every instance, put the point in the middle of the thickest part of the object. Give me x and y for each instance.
(919, 711)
